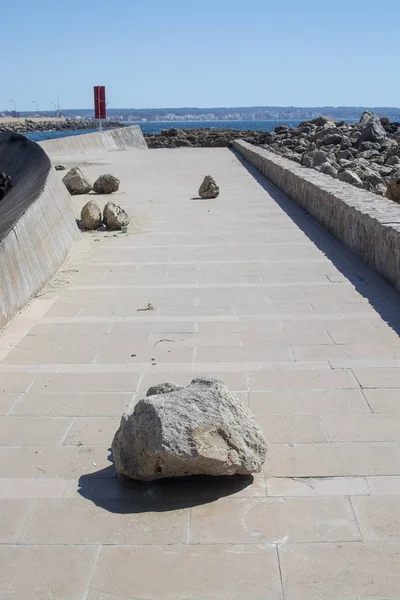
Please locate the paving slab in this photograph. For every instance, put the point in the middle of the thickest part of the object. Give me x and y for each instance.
(248, 288)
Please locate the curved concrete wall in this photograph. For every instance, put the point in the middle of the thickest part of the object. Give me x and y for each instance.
(368, 224)
(37, 223)
(124, 138)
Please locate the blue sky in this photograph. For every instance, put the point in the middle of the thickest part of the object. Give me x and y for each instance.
(169, 53)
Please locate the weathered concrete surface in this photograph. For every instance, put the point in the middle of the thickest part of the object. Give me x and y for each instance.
(37, 224)
(250, 289)
(365, 222)
(112, 140)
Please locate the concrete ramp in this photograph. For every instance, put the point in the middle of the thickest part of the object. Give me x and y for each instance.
(37, 224)
(124, 138)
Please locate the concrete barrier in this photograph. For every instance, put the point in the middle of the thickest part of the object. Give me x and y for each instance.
(37, 223)
(111, 140)
(368, 224)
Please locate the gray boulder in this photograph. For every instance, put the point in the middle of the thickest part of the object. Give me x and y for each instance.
(328, 169)
(323, 121)
(91, 215)
(208, 188)
(76, 183)
(350, 177)
(328, 135)
(372, 131)
(366, 116)
(393, 161)
(345, 154)
(114, 216)
(373, 182)
(200, 429)
(332, 138)
(106, 184)
(313, 159)
(393, 190)
(383, 170)
(368, 154)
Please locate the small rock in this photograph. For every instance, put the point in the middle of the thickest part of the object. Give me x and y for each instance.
(350, 177)
(393, 190)
(106, 184)
(200, 429)
(91, 215)
(208, 188)
(59, 167)
(114, 216)
(76, 182)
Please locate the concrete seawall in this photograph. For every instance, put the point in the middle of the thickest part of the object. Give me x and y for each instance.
(37, 224)
(124, 138)
(368, 224)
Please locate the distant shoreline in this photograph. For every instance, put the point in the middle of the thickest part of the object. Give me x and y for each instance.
(20, 125)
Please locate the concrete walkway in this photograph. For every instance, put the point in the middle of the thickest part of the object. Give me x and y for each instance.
(247, 288)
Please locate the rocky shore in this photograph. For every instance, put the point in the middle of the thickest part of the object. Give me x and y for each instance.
(203, 138)
(33, 126)
(365, 154)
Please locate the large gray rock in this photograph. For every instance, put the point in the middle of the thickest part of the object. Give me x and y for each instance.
(323, 121)
(200, 429)
(106, 184)
(366, 116)
(91, 215)
(372, 131)
(328, 169)
(328, 135)
(208, 188)
(393, 161)
(315, 158)
(332, 138)
(76, 182)
(350, 177)
(114, 216)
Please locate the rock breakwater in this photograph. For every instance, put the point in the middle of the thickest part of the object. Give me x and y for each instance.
(43, 125)
(203, 138)
(365, 154)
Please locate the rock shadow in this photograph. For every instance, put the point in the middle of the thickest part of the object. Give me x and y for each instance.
(127, 496)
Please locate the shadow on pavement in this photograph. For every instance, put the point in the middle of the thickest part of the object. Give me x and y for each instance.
(380, 294)
(105, 489)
